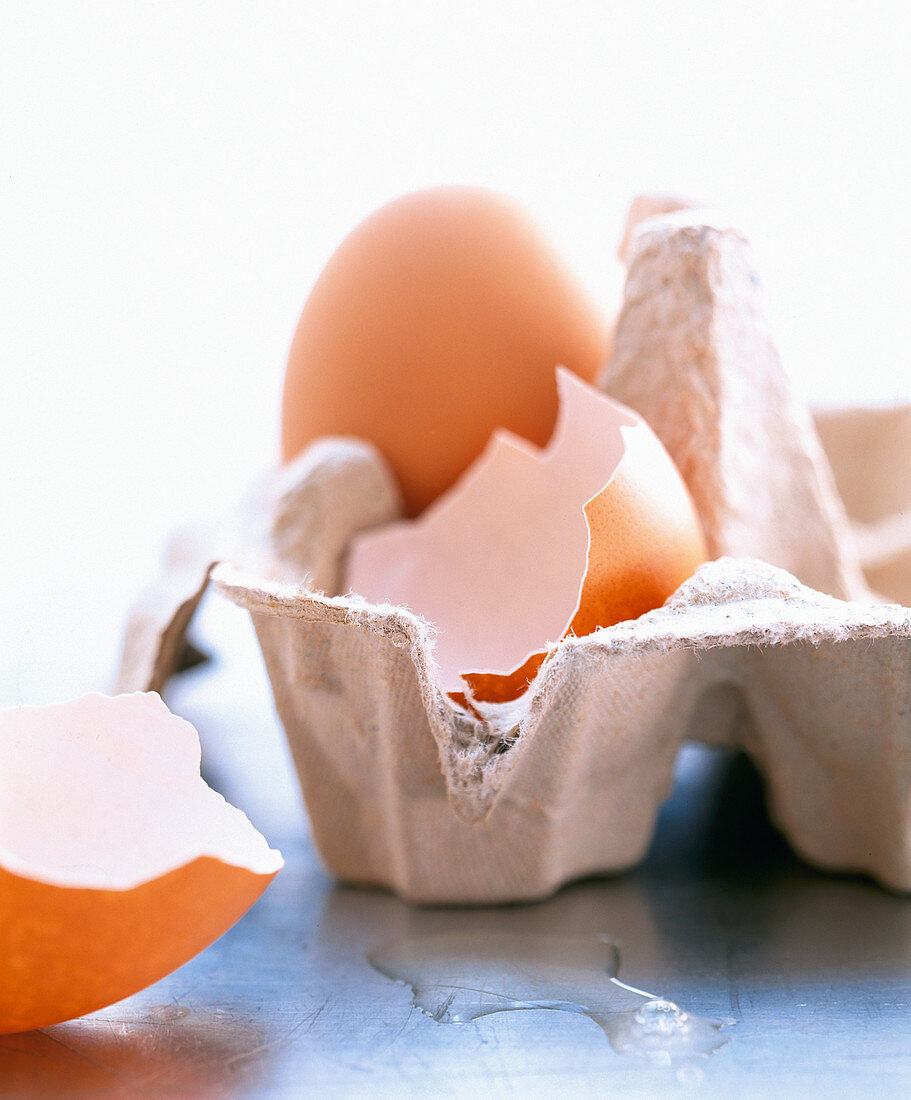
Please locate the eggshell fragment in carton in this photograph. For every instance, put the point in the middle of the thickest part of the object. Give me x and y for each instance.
(407, 791)
(597, 528)
(117, 863)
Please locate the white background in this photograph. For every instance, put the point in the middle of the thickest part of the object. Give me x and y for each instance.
(173, 176)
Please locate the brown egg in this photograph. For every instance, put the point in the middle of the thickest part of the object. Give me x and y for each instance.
(438, 319)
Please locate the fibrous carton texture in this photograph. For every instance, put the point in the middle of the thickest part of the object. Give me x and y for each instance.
(870, 452)
(296, 516)
(694, 357)
(571, 783)
(760, 649)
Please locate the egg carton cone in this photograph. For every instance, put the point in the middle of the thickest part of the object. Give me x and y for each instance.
(870, 453)
(693, 355)
(780, 646)
(298, 514)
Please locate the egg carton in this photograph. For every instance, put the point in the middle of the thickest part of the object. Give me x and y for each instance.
(780, 646)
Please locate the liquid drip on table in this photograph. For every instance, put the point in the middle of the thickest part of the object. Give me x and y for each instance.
(457, 977)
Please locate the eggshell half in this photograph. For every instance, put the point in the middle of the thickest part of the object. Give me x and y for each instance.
(439, 319)
(532, 545)
(117, 862)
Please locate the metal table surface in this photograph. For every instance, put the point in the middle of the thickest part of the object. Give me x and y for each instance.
(812, 969)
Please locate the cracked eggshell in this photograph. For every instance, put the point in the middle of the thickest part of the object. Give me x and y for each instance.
(531, 545)
(117, 862)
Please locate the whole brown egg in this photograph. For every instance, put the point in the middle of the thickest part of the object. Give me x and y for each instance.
(440, 318)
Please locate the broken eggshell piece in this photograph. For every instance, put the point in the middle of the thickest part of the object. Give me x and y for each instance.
(531, 545)
(117, 862)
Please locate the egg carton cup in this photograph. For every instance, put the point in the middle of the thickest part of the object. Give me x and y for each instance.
(782, 646)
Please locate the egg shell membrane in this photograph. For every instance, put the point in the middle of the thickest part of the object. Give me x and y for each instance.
(117, 862)
(531, 545)
(645, 505)
(136, 766)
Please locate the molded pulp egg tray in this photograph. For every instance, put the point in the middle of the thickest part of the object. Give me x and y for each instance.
(783, 645)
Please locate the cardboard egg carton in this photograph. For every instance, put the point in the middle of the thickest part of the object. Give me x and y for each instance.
(779, 646)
